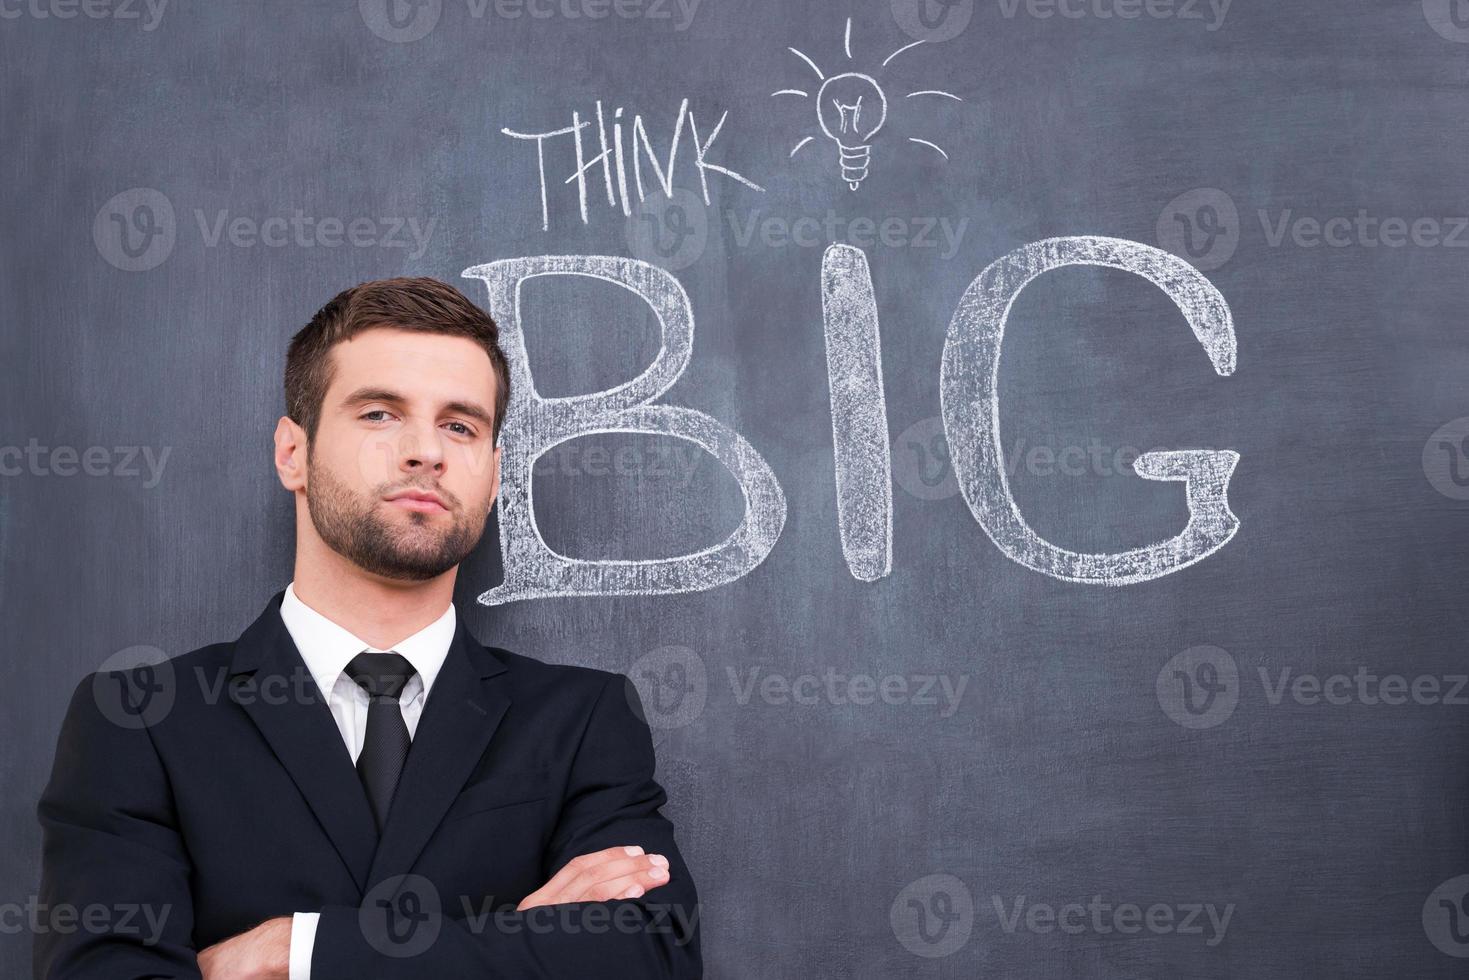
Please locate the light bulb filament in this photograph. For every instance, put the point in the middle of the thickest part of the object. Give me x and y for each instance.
(849, 114)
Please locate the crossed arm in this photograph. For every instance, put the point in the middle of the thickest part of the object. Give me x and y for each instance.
(111, 836)
(626, 872)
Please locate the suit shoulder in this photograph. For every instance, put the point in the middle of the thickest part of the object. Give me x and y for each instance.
(606, 698)
(567, 677)
(210, 655)
(140, 664)
(141, 686)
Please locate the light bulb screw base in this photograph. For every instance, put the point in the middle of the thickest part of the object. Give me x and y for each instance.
(855, 161)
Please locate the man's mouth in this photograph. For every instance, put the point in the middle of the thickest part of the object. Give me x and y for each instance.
(421, 501)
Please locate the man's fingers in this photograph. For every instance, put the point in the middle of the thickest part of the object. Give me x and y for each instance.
(586, 870)
(582, 862)
(633, 885)
(650, 869)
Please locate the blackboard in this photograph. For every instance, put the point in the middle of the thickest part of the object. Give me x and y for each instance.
(912, 719)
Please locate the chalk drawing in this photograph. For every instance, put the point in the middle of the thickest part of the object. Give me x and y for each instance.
(535, 424)
(851, 108)
(859, 421)
(620, 154)
(969, 394)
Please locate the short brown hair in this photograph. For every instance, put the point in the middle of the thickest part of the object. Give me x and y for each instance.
(404, 303)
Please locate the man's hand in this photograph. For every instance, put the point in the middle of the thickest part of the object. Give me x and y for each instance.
(617, 872)
(263, 953)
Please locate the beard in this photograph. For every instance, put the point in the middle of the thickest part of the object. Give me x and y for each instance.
(354, 526)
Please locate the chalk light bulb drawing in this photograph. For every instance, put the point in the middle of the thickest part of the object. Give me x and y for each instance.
(850, 109)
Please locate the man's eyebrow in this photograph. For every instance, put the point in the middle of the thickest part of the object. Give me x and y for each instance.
(363, 395)
(373, 395)
(472, 410)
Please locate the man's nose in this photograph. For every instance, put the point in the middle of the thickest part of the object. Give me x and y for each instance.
(419, 448)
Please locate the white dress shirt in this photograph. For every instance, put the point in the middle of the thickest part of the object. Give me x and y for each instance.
(327, 649)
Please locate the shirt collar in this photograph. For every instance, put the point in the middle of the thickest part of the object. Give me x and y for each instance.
(328, 647)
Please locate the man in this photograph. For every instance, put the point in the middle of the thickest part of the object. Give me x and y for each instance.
(356, 787)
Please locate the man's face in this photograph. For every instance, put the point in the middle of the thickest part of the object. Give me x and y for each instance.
(401, 474)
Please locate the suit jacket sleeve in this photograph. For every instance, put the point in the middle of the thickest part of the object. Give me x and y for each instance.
(110, 841)
(612, 800)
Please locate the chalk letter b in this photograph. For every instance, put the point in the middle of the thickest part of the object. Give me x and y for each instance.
(534, 425)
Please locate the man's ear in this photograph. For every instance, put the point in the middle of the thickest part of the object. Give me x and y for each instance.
(290, 454)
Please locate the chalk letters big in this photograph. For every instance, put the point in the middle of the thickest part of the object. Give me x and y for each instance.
(969, 376)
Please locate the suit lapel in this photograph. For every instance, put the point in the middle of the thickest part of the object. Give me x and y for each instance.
(459, 717)
(304, 736)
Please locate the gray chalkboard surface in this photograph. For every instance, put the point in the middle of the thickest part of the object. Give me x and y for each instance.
(1019, 449)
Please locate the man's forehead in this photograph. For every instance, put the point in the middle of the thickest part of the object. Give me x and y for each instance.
(447, 365)
(408, 348)
(379, 340)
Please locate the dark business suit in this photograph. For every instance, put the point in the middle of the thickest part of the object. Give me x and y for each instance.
(238, 802)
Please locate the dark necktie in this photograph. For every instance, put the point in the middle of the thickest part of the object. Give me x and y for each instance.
(385, 745)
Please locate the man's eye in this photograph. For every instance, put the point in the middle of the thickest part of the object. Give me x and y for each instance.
(376, 411)
(462, 429)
